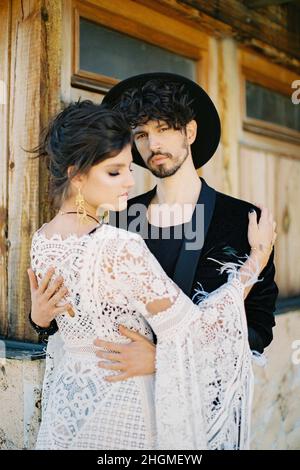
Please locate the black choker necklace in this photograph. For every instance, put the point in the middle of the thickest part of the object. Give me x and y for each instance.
(74, 212)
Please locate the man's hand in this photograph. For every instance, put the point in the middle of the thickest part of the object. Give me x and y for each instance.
(133, 359)
(44, 298)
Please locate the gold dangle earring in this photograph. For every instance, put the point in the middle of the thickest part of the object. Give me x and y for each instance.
(81, 212)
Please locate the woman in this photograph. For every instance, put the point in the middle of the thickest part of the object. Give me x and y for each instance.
(200, 397)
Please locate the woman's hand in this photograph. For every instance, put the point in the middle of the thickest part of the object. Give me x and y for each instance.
(261, 235)
(45, 297)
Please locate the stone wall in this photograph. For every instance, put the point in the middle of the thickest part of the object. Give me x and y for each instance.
(20, 402)
(276, 407)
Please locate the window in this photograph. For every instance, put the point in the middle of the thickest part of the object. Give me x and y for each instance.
(109, 46)
(107, 52)
(267, 91)
(270, 106)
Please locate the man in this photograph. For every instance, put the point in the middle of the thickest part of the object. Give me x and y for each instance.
(185, 223)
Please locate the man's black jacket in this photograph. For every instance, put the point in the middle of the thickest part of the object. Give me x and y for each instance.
(225, 240)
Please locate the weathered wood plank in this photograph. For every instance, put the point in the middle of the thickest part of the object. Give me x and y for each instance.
(247, 22)
(228, 80)
(51, 87)
(288, 245)
(264, 3)
(222, 169)
(142, 20)
(272, 31)
(67, 51)
(213, 171)
(4, 104)
(24, 173)
(34, 71)
(273, 180)
(257, 176)
(259, 70)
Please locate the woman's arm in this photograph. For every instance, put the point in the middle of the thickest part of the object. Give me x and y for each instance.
(261, 237)
(133, 270)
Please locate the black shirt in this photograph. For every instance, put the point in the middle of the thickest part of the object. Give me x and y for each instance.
(165, 246)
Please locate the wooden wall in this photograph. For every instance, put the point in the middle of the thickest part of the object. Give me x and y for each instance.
(275, 180)
(32, 77)
(4, 72)
(36, 43)
(251, 166)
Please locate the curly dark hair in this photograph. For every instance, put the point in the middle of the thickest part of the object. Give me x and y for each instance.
(157, 100)
(82, 135)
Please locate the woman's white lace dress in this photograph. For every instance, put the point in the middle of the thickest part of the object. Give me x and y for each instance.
(200, 396)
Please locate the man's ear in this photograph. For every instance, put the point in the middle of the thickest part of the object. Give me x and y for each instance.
(191, 131)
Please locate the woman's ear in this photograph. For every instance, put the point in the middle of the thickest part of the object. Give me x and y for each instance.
(191, 131)
(76, 180)
(70, 171)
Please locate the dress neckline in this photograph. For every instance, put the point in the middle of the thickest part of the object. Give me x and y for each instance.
(72, 236)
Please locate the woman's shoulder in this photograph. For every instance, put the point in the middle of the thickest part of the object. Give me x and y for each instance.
(37, 237)
(111, 232)
(115, 239)
(108, 242)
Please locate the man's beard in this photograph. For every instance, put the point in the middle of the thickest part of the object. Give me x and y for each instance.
(160, 171)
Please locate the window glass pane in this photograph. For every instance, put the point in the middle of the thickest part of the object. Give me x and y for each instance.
(117, 55)
(271, 106)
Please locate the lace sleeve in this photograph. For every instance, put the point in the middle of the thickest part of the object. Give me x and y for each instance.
(131, 268)
(141, 277)
(203, 361)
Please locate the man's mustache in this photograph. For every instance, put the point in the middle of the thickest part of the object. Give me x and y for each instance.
(169, 155)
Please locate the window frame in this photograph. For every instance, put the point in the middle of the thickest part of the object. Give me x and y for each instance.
(261, 72)
(137, 25)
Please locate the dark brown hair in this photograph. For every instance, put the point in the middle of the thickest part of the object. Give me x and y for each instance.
(82, 135)
(157, 100)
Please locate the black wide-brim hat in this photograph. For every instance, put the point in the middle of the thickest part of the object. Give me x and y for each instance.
(206, 115)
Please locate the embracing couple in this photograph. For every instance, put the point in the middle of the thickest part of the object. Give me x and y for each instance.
(150, 334)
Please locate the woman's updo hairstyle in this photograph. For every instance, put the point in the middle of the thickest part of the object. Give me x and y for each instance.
(81, 135)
